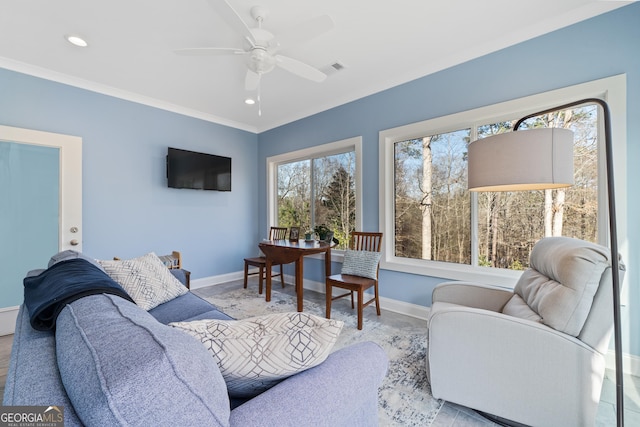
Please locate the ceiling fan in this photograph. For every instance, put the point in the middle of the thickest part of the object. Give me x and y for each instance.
(261, 47)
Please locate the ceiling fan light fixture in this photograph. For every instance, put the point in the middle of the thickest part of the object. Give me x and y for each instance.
(76, 40)
(249, 101)
(260, 61)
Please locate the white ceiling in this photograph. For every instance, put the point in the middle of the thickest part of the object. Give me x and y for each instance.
(381, 43)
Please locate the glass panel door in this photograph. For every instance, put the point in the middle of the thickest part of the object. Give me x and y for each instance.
(28, 214)
(40, 207)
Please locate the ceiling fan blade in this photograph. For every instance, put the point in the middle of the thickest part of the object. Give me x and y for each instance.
(300, 68)
(207, 51)
(301, 33)
(232, 18)
(251, 80)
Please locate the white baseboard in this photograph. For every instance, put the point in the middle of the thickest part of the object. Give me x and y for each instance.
(401, 307)
(8, 316)
(216, 280)
(630, 362)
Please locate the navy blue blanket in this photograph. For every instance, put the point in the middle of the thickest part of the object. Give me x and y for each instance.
(46, 294)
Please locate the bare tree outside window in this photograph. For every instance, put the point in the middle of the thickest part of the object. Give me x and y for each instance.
(433, 206)
(294, 194)
(432, 210)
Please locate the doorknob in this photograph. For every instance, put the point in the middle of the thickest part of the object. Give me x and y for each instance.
(74, 242)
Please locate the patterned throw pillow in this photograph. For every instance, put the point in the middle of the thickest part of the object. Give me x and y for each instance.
(146, 279)
(256, 353)
(361, 263)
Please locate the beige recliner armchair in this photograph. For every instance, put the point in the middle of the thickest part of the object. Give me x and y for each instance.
(535, 355)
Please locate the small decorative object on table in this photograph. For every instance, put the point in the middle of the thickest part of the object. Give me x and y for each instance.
(329, 237)
(321, 231)
(294, 233)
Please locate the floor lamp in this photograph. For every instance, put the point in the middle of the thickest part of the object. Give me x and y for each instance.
(538, 159)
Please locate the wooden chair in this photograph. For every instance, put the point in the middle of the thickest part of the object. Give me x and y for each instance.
(359, 241)
(275, 233)
(174, 260)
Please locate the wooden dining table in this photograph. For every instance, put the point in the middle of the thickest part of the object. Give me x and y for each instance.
(288, 251)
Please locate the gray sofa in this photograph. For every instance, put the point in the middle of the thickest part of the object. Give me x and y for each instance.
(111, 363)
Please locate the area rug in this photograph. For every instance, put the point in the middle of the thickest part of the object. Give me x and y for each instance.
(404, 399)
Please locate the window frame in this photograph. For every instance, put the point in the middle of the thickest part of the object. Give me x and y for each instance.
(611, 89)
(336, 147)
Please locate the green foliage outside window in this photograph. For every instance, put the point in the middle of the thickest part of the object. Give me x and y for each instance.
(319, 192)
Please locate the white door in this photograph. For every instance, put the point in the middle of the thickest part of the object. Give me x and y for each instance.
(40, 207)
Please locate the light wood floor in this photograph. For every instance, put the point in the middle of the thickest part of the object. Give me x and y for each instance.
(5, 353)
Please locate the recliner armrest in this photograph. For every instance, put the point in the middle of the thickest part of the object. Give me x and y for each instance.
(472, 294)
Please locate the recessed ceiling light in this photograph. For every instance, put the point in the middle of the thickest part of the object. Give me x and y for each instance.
(76, 40)
(249, 101)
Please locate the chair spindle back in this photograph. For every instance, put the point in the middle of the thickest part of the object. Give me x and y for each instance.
(278, 233)
(365, 241)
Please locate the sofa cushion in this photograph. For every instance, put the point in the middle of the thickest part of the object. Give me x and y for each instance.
(361, 263)
(256, 353)
(32, 377)
(146, 279)
(562, 281)
(186, 307)
(120, 366)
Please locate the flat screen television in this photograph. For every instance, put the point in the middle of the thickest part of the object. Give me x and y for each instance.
(200, 171)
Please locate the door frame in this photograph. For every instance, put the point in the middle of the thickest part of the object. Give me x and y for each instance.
(70, 196)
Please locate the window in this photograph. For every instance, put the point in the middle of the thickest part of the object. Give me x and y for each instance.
(317, 186)
(432, 210)
(510, 223)
(439, 228)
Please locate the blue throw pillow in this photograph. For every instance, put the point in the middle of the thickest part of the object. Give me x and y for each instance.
(361, 263)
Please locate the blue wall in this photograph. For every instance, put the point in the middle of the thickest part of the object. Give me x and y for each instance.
(600, 47)
(127, 208)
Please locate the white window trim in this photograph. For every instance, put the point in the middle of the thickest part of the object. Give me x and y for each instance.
(610, 89)
(330, 148)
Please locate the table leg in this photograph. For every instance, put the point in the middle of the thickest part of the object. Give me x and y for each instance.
(327, 262)
(328, 288)
(299, 279)
(268, 284)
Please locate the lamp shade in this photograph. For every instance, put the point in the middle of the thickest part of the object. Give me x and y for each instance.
(534, 159)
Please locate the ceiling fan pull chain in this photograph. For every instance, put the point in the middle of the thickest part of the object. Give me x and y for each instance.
(259, 95)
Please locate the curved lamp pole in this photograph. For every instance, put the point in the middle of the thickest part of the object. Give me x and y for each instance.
(488, 180)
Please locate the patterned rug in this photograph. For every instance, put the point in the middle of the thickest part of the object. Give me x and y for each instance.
(405, 395)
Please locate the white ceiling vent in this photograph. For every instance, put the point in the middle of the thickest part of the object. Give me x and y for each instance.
(333, 68)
